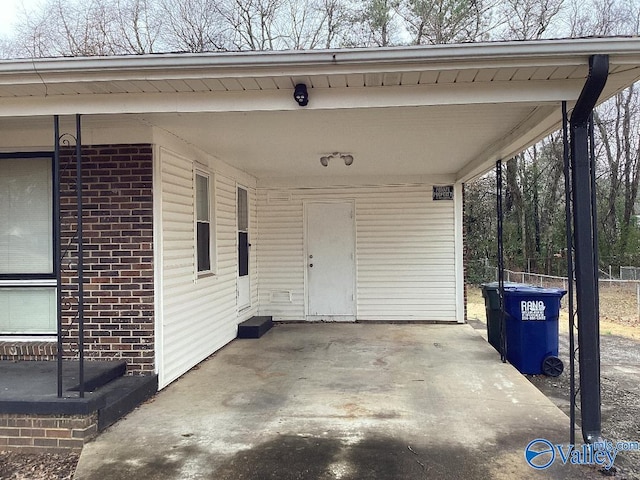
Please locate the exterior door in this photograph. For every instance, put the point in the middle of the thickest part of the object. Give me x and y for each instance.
(330, 266)
(244, 285)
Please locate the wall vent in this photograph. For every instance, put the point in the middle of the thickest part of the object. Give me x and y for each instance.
(276, 196)
(281, 296)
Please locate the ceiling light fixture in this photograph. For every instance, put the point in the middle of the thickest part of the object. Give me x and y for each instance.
(347, 158)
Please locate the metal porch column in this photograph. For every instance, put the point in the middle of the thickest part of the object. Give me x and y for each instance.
(80, 255)
(500, 213)
(586, 267)
(57, 247)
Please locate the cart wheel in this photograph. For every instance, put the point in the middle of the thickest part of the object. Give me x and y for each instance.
(552, 366)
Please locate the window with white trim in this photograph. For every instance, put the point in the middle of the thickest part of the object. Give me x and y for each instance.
(204, 234)
(27, 278)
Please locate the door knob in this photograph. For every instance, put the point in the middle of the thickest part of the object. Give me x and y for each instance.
(310, 265)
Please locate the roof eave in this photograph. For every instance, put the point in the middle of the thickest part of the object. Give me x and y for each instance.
(623, 49)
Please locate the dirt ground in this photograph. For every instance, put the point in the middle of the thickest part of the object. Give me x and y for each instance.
(620, 368)
(620, 347)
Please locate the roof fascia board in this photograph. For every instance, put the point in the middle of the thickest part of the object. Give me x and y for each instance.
(279, 100)
(472, 55)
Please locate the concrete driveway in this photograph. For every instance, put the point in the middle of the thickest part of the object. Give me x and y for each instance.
(339, 401)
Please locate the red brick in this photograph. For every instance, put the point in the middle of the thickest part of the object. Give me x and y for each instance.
(45, 442)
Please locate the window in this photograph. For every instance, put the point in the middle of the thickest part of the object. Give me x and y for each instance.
(243, 232)
(26, 216)
(203, 223)
(27, 290)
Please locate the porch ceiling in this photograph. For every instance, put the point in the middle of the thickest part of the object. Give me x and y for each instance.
(448, 110)
(391, 141)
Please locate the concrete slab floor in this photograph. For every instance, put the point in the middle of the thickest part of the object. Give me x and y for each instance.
(339, 401)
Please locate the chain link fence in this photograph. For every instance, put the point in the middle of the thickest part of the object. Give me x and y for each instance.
(630, 287)
(630, 273)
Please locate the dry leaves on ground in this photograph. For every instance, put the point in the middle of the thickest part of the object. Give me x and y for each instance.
(31, 466)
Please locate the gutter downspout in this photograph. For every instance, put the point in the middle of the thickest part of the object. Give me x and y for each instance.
(586, 249)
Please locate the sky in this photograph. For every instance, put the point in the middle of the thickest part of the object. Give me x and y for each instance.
(9, 12)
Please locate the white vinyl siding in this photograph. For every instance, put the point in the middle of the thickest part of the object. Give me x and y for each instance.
(281, 259)
(199, 315)
(404, 252)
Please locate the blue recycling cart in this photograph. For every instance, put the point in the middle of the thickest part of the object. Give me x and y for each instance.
(531, 328)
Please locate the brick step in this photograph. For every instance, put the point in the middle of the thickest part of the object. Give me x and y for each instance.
(255, 327)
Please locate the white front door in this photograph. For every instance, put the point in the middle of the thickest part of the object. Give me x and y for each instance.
(244, 285)
(330, 266)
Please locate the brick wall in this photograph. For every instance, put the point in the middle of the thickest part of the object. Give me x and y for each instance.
(46, 433)
(27, 350)
(118, 253)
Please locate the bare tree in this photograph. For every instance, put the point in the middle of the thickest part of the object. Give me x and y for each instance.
(95, 27)
(314, 24)
(446, 21)
(138, 24)
(617, 123)
(530, 19)
(254, 24)
(194, 26)
(601, 17)
(336, 22)
(375, 24)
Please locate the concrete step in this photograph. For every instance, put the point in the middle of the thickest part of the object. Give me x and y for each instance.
(124, 394)
(96, 374)
(255, 327)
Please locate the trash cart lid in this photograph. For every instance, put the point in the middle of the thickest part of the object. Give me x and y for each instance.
(530, 290)
(496, 285)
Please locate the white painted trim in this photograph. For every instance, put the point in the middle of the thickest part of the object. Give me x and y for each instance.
(358, 181)
(332, 318)
(533, 91)
(173, 143)
(241, 310)
(459, 250)
(29, 283)
(201, 170)
(157, 261)
(26, 338)
(542, 121)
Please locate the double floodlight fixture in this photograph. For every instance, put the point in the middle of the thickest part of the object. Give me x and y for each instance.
(301, 95)
(347, 158)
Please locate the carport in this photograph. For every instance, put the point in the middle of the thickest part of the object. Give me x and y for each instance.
(339, 401)
(211, 195)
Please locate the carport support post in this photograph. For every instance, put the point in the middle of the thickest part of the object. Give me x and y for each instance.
(500, 213)
(586, 250)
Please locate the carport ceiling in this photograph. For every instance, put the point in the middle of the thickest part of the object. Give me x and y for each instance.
(424, 140)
